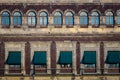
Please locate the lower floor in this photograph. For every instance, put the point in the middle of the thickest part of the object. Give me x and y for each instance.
(58, 77)
(81, 56)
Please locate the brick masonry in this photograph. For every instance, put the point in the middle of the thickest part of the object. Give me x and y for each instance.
(102, 57)
(27, 58)
(2, 58)
(53, 57)
(50, 8)
(78, 57)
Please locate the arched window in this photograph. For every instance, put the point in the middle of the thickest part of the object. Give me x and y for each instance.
(95, 18)
(57, 18)
(69, 18)
(5, 19)
(43, 18)
(31, 19)
(83, 18)
(118, 18)
(17, 18)
(109, 18)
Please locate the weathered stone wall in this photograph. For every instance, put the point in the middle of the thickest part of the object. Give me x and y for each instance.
(61, 78)
(58, 1)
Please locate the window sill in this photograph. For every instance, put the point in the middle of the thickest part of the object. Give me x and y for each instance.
(32, 26)
(69, 26)
(58, 26)
(83, 26)
(43, 26)
(5, 26)
(110, 26)
(17, 26)
(95, 26)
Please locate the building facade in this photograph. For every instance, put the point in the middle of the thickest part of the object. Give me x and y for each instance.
(60, 40)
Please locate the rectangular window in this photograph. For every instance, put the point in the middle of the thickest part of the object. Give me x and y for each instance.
(57, 20)
(43, 20)
(83, 20)
(40, 66)
(95, 20)
(14, 66)
(89, 65)
(113, 65)
(69, 20)
(31, 21)
(109, 20)
(66, 65)
(5, 21)
(17, 20)
(118, 20)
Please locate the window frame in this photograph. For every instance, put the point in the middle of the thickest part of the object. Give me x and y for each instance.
(43, 18)
(95, 18)
(17, 17)
(83, 18)
(109, 18)
(15, 66)
(90, 65)
(40, 66)
(32, 17)
(113, 65)
(66, 65)
(118, 18)
(70, 17)
(6, 18)
(59, 18)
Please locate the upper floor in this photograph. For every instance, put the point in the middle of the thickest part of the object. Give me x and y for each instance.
(59, 19)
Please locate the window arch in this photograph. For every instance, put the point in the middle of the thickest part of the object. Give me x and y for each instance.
(17, 18)
(118, 18)
(69, 18)
(5, 19)
(43, 17)
(31, 18)
(109, 18)
(57, 18)
(83, 18)
(95, 18)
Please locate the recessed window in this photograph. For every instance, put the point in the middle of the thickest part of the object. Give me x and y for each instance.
(109, 18)
(14, 66)
(118, 18)
(40, 66)
(31, 19)
(113, 57)
(5, 18)
(14, 58)
(69, 19)
(57, 18)
(89, 65)
(113, 65)
(39, 58)
(17, 18)
(65, 59)
(95, 18)
(83, 18)
(66, 66)
(14, 61)
(89, 59)
(43, 19)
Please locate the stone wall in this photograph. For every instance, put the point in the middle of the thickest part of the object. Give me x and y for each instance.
(58, 1)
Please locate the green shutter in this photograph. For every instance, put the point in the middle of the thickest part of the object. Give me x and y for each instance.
(39, 58)
(14, 58)
(89, 57)
(65, 57)
(113, 57)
